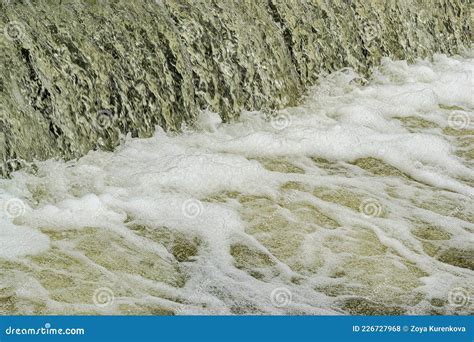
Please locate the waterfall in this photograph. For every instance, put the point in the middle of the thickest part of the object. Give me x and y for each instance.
(77, 76)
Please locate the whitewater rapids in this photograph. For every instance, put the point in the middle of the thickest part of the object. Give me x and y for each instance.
(359, 201)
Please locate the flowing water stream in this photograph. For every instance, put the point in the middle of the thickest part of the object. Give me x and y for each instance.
(76, 75)
(357, 201)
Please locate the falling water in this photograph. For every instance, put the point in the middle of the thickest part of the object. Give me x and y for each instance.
(236, 158)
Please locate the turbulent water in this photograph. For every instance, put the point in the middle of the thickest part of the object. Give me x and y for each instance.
(74, 75)
(358, 201)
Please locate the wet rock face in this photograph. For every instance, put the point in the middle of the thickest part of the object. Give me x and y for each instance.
(75, 75)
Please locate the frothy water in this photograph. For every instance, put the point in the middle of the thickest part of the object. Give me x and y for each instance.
(359, 201)
(128, 66)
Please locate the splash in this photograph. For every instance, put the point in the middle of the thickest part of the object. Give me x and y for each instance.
(358, 201)
(69, 85)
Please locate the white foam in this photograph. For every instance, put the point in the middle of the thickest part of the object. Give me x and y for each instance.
(156, 181)
(17, 241)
